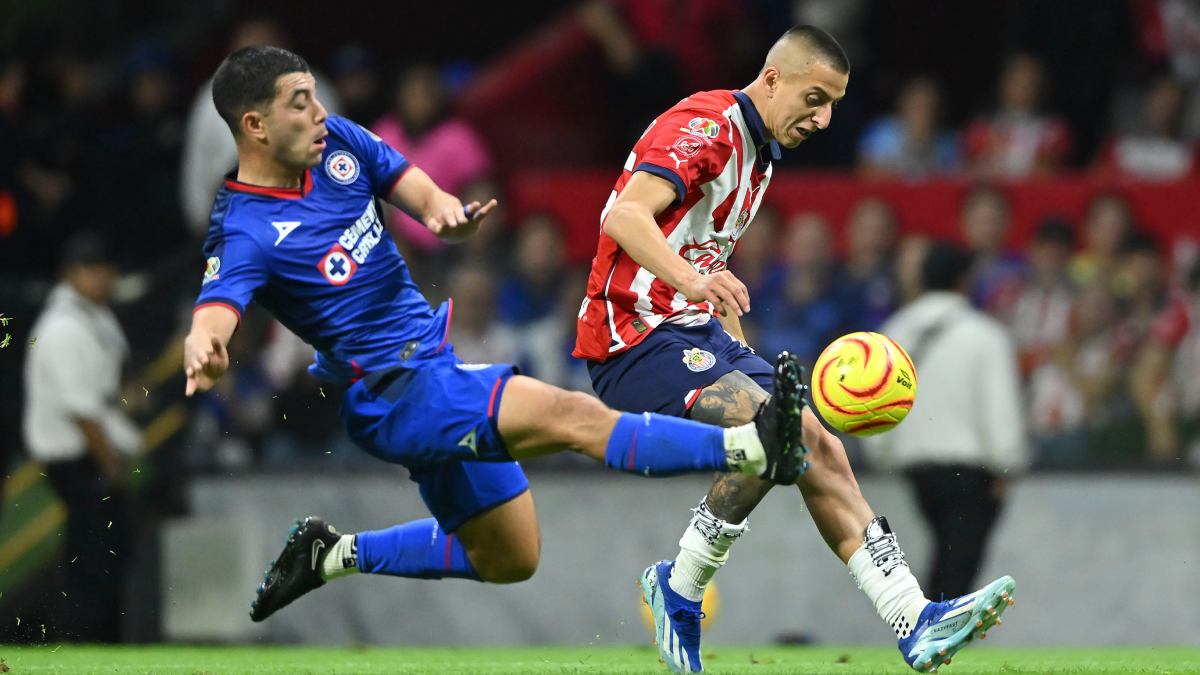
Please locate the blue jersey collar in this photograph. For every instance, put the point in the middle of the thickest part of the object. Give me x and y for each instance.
(758, 130)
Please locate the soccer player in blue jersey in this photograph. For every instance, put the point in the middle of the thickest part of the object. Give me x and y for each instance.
(296, 228)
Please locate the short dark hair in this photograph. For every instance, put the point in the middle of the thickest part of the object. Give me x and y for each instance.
(246, 80)
(945, 267)
(1055, 230)
(824, 44)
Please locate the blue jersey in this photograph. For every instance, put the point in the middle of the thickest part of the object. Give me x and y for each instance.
(319, 258)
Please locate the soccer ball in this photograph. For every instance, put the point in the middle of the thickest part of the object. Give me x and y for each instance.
(864, 384)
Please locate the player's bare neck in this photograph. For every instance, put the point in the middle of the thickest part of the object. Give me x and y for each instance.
(266, 172)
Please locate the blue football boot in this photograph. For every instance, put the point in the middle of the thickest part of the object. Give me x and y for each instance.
(676, 620)
(946, 627)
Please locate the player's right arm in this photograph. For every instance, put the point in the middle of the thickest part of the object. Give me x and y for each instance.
(205, 353)
(631, 223)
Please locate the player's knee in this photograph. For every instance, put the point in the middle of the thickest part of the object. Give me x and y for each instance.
(512, 567)
(579, 417)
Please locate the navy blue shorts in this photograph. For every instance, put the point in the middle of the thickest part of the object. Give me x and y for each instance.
(437, 417)
(665, 372)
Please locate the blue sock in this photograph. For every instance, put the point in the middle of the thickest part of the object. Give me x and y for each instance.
(659, 445)
(417, 549)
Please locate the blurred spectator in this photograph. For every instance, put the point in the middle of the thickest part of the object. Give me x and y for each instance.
(419, 125)
(753, 262)
(1158, 320)
(476, 336)
(657, 51)
(910, 143)
(75, 426)
(1155, 148)
(1186, 371)
(1074, 398)
(546, 344)
(356, 81)
(909, 255)
(51, 155)
(866, 278)
(965, 437)
(148, 134)
(1107, 223)
(996, 273)
(1017, 139)
(1040, 317)
(231, 422)
(800, 311)
(208, 148)
(13, 145)
(492, 244)
(531, 289)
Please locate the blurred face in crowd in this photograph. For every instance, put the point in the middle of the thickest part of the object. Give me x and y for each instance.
(808, 244)
(474, 299)
(910, 253)
(93, 281)
(872, 230)
(918, 108)
(1164, 107)
(540, 248)
(420, 97)
(985, 221)
(1021, 85)
(1108, 222)
(802, 89)
(1048, 259)
(755, 247)
(1146, 271)
(292, 128)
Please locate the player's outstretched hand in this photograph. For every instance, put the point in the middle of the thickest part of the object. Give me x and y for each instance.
(726, 292)
(452, 221)
(205, 360)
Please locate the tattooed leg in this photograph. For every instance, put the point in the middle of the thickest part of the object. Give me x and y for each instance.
(731, 401)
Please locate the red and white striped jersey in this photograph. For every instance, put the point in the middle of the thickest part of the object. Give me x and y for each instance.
(712, 146)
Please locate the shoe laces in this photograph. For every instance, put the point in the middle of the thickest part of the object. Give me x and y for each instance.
(885, 552)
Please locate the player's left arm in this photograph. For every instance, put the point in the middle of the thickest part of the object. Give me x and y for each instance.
(443, 213)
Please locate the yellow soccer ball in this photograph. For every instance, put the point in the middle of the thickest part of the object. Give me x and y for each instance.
(711, 605)
(864, 384)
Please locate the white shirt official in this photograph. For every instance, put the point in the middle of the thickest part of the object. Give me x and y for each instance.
(73, 371)
(968, 403)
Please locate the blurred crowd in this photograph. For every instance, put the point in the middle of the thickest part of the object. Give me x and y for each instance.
(121, 139)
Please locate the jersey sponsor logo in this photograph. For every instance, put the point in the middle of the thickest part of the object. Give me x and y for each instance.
(342, 167)
(677, 160)
(337, 267)
(212, 268)
(285, 228)
(702, 126)
(707, 257)
(364, 235)
(687, 146)
(698, 360)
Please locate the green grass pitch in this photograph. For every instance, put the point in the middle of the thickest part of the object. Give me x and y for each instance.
(170, 660)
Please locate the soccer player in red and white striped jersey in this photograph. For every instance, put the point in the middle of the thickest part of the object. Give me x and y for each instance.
(659, 328)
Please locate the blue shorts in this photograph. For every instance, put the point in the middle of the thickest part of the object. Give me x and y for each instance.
(437, 417)
(666, 371)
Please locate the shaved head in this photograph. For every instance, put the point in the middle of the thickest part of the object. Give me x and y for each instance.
(800, 46)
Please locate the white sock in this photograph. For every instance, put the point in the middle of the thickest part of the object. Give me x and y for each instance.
(879, 569)
(703, 549)
(341, 559)
(744, 450)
